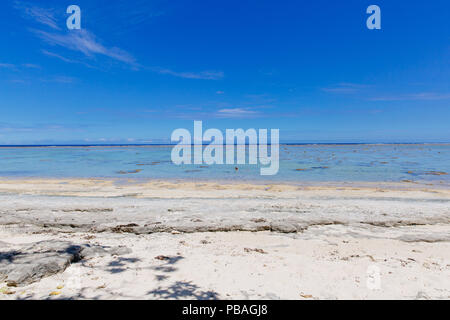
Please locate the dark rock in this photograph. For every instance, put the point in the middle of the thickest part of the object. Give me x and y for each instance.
(45, 258)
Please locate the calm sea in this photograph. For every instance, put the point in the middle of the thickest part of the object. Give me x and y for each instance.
(300, 163)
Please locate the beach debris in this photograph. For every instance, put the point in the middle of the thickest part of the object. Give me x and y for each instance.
(306, 296)
(358, 256)
(255, 250)
(55, 293)
(6, 290)
(162, 258)
(127, 228)
(129, 172)
(59, 287)
(154, 163)
(436, 173)
(89, 210)
(41, 259)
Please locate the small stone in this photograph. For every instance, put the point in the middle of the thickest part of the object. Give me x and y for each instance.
(6, 290)
(255, 250)
(161, 257)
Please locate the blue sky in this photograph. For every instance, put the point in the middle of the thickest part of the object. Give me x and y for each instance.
(137, 70)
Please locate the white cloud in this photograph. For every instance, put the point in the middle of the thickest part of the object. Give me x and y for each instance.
(236, 113)
(31, 66)
(79, 40)
(40, 15)
(86, 43)
(345, 88)
(16, 67)
(52, 54)
(414, 96)
(205, 75)
(18, 81)
(7, 66)
(60, 79)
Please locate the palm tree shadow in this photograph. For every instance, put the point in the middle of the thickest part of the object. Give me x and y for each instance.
(167, 266)
(183, 290)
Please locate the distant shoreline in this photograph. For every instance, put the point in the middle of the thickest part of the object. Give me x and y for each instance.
(174, 144)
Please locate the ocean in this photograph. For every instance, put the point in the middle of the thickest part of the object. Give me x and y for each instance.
(298, 164)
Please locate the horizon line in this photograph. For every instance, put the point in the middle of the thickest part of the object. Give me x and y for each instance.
(246, 144)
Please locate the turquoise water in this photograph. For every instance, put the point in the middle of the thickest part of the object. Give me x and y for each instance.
(317, 163)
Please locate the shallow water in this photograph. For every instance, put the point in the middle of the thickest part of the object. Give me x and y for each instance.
(304, 163)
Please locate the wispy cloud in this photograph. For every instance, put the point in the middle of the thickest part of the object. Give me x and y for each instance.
(77, 40)
(225, 113)
(21, 66)
(414, 96)
(40, 15)
(236, 113)
(7, 66)
(18, 81)
(205, 75)
(31, 66)
(36, 127)
(60, 79)
(55, 55)
(85, 42)
(345, 88)
(64, 59)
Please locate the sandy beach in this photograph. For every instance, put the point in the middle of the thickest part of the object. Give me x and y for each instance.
(186, 240)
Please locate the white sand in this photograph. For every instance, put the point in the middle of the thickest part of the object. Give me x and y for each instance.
(342, 238)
